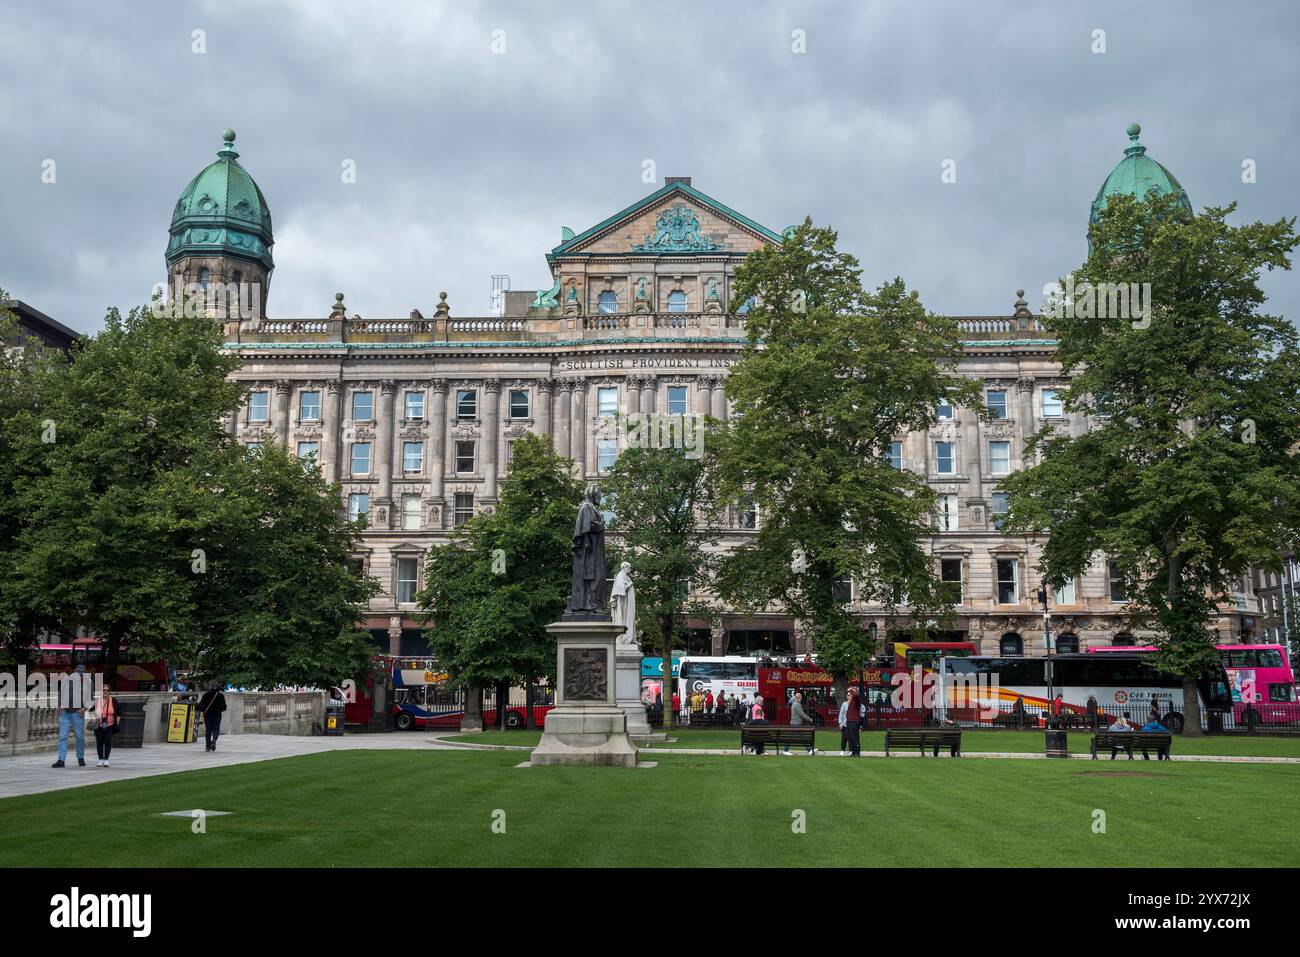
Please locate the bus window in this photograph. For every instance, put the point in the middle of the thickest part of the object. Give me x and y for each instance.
(1281, 692)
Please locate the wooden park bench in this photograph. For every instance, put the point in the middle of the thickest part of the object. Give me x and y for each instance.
(1126, 741)
(777, 734)
(923, 738)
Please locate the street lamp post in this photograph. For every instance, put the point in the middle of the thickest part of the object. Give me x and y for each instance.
(1047, 640)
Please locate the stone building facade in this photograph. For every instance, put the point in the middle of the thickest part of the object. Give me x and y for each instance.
(414, 417)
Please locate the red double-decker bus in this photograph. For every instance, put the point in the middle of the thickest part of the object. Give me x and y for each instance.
(877, 684)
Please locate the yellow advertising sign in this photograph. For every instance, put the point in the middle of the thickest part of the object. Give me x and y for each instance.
(180, 723)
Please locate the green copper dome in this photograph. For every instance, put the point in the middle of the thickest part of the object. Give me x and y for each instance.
(1136, 175)
(222, 213)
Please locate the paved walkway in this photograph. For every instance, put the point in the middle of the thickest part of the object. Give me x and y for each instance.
(32, 774)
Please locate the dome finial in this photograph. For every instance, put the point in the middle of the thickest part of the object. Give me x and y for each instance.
(1134, 130)
(228, 149)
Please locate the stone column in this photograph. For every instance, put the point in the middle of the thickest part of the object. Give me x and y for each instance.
(437, 439)
(282, 390)
(632, 394)
(545, 389)
(329, 437)
(578, 428)
(648, 386)
(564, 414)
(1025, 420)
(383, 460)
(703, 404)
(491, 437)
(720, 398)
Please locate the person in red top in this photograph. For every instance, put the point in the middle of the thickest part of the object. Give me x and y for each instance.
(708, 701)
(677, 702)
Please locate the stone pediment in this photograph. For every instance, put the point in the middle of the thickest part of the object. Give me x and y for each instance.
(675, 220)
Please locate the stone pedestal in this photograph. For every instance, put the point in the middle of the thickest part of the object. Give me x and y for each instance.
(586, 726)
(627, 689)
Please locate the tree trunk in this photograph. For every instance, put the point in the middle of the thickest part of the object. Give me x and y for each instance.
(503, 703)
(666, 643)
(112, 652)
(1191, 709)
(473, 717)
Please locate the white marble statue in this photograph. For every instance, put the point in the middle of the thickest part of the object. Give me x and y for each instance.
(623, 598)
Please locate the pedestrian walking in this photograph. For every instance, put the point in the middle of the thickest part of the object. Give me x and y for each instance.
(107, 720)
(851, 714)
(798, 718)
(212, 705)
(73, 692)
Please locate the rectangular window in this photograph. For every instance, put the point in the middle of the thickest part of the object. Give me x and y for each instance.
(463, 508)
(308, 448)
(363, 406)
(1064, 596)
(747, 515)
(999, 458)
(407, 568)
(1008, 592)
(677, 400)
(415, 405)
(842, 590)
(1118, 590)
(518, 404)
(464, 457)
(358, 505)
(947, 513)
(411, 512)
(309, 406)
(950, 571)
(998, 508)
(944, 410)
(1052, 404)
(996, 400)
(945, 458)
(257, 407)
(254, 446)
(607, 400)
(895, 455)
(606, 454)
(466, 404)
(412, 457)
(360, 458)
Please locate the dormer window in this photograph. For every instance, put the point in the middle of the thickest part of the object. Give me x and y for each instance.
(677, 301)
(607, 303)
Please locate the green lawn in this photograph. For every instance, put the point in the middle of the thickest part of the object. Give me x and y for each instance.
(1018, 741)
(435, 808)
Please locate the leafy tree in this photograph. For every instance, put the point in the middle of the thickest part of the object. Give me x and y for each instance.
(490, 593)
(830, 376)
(1188, 474)
(272, 553)
(94, 450)
(666, 521)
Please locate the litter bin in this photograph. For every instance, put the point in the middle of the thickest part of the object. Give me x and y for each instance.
(1214, 722)
(1057, 743)
(130, 729)
(334, 717)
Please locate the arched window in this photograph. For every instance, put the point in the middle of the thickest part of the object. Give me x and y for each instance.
(677, 301)
(1011, 644)
(1067, 644)
(204, 276)
(607, 302)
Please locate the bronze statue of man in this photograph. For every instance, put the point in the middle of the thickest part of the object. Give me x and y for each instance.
(587, 593)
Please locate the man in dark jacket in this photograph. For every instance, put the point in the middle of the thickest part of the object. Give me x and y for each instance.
(211, 706)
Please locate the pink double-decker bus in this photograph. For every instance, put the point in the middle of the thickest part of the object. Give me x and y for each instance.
(1260, 677)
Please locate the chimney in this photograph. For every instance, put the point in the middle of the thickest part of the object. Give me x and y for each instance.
(684, 180)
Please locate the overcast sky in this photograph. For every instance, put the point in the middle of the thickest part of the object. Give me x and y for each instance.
(468, 161)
